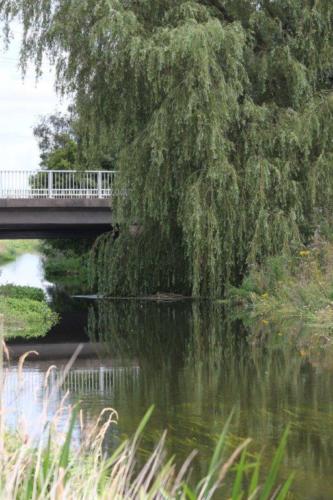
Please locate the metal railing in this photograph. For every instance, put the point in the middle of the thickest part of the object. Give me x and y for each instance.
(86, 380)
(56, 184)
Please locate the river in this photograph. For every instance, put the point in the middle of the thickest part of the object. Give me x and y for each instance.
(195, 363)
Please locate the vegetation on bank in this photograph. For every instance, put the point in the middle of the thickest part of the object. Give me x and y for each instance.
(11, 249)
(26, 312)
(66, 263)
(22, 292)
(59, 264)
(294, 289)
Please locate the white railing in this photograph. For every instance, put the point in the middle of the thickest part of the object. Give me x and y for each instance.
(56, 184)
(100, 379)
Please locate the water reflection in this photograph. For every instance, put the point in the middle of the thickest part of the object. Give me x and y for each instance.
(39, 395)
(197, 364)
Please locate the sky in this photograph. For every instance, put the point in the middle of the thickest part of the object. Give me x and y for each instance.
(22, 103)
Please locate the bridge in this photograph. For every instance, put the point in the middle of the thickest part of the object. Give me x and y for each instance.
(55, 203)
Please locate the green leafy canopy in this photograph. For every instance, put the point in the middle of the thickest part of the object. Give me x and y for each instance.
(219, 116)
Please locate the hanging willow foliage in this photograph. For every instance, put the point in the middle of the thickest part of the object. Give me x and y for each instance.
(219, 116)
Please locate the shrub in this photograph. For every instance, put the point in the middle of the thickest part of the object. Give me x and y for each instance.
(22, 292)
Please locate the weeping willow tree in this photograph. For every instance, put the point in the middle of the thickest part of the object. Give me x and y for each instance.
(218, 114)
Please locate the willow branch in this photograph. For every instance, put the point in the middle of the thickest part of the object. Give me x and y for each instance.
(218, 6)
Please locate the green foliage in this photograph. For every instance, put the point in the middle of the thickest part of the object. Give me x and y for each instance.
(145, 272)
(65, 264)
(218, 116)
(22, 292)
(11, 249)
(57, 143)
(62, 264)
(26, 313)
(63, 159)
(295, 289)
(26, 317)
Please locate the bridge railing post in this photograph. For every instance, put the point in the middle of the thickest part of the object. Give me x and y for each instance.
(50, 184)
(99, 184)
(56, 184)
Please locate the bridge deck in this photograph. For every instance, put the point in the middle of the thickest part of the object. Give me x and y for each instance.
(54, 218)
(36, 204)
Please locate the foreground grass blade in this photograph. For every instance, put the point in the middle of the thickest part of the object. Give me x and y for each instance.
(273, 472)
(143, 423)
(237, 488)
(286, 488)
(65, 451)
(254, 479)
(215, 461)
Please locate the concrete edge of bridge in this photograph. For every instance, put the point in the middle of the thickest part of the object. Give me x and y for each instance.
(68, 203)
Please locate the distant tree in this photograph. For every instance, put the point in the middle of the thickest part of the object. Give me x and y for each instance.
(62, 143)
(57, 143)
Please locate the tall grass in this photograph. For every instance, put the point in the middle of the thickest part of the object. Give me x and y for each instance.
(57, 465)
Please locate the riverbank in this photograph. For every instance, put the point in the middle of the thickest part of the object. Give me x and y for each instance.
(11, 249)
(66, 266)
(25, 312)
(292, 289)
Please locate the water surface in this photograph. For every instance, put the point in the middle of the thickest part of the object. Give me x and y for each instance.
(26, 270)
(196, 363)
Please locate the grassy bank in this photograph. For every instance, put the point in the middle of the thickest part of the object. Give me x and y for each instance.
(11, 249)
(296, 288)
(25, 311)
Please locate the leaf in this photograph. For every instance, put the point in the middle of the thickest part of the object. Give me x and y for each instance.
(274, 469)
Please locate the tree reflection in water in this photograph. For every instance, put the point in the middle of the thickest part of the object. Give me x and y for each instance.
(197, 363)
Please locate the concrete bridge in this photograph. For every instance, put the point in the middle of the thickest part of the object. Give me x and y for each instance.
(54, 204)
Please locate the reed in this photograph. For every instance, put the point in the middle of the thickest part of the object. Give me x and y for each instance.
(58, 465)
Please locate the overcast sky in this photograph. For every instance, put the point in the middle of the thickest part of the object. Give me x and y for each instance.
(22, 102)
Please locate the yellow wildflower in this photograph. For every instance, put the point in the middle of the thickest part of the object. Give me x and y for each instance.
(304, 253)
(265, 296)
(264, 321)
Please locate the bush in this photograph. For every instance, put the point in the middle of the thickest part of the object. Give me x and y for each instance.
(22, 292)
(293, 288)
(25, 311)
(26, 318)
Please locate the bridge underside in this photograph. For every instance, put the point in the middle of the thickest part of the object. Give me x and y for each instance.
(54, 218)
